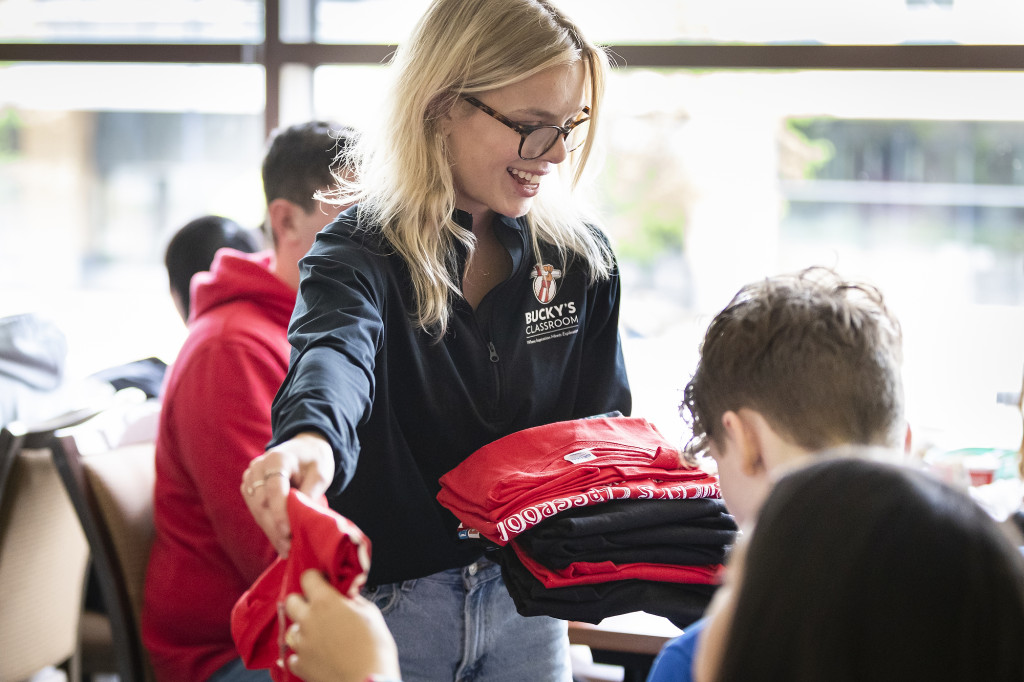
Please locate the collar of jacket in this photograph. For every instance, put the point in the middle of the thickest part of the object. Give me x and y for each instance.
(511, 232)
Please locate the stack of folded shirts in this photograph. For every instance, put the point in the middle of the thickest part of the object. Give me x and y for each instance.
(593, 518)
(659, 556)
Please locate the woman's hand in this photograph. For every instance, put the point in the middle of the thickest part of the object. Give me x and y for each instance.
(323, 618)
(305, 461)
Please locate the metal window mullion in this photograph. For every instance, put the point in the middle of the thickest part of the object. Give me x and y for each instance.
(813, 57)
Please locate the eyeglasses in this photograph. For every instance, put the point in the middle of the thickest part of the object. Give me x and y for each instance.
(538, 140)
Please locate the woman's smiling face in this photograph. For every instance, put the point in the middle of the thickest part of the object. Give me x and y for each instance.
(489, 175)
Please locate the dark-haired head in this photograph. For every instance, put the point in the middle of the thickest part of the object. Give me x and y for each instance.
(191, 250)
(862, 570)
(300, 161)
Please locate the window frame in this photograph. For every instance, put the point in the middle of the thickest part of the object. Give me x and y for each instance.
(274, 54)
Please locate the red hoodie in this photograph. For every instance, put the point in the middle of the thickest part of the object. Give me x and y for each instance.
(215, 418)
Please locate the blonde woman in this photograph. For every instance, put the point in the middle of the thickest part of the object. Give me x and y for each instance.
(462, 298)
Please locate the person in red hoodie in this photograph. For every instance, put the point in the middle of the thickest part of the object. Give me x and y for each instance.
(215, 418)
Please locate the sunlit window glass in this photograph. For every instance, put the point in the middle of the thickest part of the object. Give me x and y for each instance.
(98, 167)
(709, 178)
(912, 181)
(723, 21)
(334, 98)
(376, 21)
(801, 21)
(158, 21)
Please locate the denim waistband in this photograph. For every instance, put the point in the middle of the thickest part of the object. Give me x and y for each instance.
(480, 571)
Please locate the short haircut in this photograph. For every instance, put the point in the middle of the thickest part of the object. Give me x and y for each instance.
(863, 570)
(819, 357)
(192, 247)
(300, 158)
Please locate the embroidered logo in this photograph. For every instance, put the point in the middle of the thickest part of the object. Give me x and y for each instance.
(550, 320)
(544, 285)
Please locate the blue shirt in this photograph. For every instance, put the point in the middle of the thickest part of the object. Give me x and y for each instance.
(675, 661)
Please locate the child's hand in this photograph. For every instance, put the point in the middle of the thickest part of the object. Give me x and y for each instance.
(323, 619)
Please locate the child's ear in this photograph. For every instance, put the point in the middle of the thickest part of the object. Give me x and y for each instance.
(745, 442)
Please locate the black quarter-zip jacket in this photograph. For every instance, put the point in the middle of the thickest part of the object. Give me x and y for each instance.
(401, 408)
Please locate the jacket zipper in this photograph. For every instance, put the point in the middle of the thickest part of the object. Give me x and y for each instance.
(492, 352)
(495, 411)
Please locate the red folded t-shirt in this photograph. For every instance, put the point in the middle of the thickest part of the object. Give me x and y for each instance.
(516, 481)
(596, 572)
(578, 453)
(321, 539)
(502, 530)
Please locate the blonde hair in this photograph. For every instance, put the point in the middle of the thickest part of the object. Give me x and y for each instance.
(402, 178)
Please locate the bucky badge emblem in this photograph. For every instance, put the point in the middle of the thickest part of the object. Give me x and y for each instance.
(544, 284)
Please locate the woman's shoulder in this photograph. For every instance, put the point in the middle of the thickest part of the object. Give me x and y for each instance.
(354, 229)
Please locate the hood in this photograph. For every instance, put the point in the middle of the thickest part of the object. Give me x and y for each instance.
(235, 276)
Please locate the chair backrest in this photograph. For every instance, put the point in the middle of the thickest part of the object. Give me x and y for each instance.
(11, 437)
(112, 491)
(43, 558)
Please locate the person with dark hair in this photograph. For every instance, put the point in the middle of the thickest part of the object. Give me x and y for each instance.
(794, 364)
(861, 570)
(468, 295)
(215, 419)
(296, 160)
(191, 250)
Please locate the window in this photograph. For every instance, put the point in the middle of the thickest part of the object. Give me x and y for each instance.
(139, 21)
(97, 168)
(743, 139)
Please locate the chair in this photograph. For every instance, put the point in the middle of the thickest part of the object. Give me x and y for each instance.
(1020, 410)
(112, 492)
(43, 558)
(11, 438)
(14, 434)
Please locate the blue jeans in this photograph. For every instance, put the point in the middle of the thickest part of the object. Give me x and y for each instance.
(461, 625)
(235, 671)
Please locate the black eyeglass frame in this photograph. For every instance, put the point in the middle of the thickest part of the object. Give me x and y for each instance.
(525, 130)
